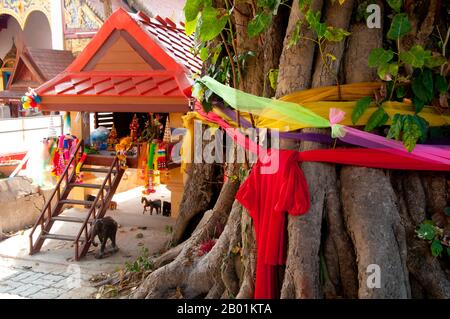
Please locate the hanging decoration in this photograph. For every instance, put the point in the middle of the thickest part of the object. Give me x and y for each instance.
(67, 123)
(167, 134)
(30, 100)
(63, 152)
(149, 170)
(51, 127)
(78, 172)
(161, 158)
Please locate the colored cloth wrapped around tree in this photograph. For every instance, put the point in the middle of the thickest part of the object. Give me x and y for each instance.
(267, 194)
(300, 116)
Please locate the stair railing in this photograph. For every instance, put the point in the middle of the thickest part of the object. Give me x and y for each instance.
(97, 207)
(47, 209)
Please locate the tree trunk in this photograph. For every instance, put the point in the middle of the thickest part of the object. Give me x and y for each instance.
(369, 201)
(187, 273)
(360, 219)
(198, 196)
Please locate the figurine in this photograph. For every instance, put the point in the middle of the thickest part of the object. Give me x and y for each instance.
(121, 151)
(134, 127)
(112, 138)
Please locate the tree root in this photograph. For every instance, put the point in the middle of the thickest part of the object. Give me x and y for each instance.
(188, 272)
(425, 268)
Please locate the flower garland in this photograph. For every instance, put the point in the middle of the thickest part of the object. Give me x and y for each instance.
(31, 100)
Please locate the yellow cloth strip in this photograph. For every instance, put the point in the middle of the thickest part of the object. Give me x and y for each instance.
(187, 148)
(349, 92)
(320, 100)
(283, 123)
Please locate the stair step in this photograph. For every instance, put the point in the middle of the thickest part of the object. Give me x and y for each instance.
(96, 186)
(76, 202)
(63, 218)
(61, 237)
(97, 170)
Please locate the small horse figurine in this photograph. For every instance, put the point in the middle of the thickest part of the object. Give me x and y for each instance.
(152, 204)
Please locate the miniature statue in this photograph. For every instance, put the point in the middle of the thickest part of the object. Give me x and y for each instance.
(151, 204)
(112, 139)
(105, 228)
(134, 127)
(121, 151)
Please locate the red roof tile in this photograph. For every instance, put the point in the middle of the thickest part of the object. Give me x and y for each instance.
(106, 85)
(161, 40)
(172, 38)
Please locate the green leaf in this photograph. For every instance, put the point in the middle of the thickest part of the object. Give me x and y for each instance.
(204, 53)
(400, 26)
(303, 4)
(418, 104)
(273, 77)
(436, 248)
(272, 5)
(380, 56)
(400, 92)
(393, 69)
(447, 211)
(427, 79)
(396, 5)
(387, 71)
(416, 56)
(259, 23)
(448, 251)
(435, 61)
(422, 85)
(440, 84)
(313, 20)
(335, 34)
(361, 107)
(426, 231)
(423, 125)
(295, 35)
(396, 127)
(378, 118)
(216, 53)
(213, 22)
(190, 26)
(192, 8)
(411, 133)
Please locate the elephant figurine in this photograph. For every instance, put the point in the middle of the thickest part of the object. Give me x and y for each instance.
(105, 228)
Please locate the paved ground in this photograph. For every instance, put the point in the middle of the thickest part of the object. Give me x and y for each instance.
(53, 273)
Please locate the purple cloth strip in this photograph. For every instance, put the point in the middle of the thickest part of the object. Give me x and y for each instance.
(314, 137)
(310, 137)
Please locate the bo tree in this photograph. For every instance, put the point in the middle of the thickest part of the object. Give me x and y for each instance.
(358, 216)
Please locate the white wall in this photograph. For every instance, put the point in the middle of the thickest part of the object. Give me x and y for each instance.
(57, 25)
(24, 133)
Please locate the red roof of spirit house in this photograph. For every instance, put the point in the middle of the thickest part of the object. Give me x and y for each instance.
(133, 64)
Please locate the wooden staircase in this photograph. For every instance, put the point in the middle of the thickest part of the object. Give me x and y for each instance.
(53, 207)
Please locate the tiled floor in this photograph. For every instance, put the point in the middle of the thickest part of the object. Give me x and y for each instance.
(53, 273)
